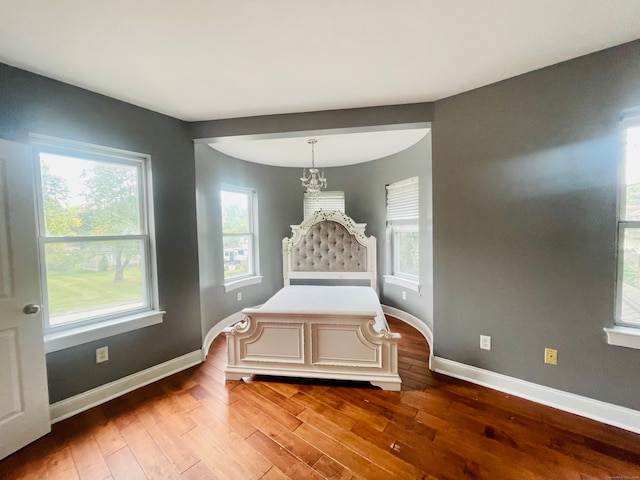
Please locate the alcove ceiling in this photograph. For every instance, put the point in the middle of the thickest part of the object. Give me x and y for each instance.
(331, 149)
(217, 59)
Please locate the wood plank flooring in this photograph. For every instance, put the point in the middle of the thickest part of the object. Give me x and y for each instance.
(192, 426)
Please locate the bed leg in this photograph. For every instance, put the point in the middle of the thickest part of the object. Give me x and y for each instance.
(390, 386)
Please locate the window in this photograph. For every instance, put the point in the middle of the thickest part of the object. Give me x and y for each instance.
(626, 331)
(628, 305)
(239, 237)
(333, 201)
(403, 232)
(94, 236)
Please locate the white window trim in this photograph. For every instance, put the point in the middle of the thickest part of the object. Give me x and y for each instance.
(243, 282)
(623, 336)
(76, 334)
(406, 219)
(254, 276)
(412, 227)
(95, 331)
(402, 282)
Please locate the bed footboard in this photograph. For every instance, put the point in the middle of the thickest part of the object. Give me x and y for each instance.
(325, 345)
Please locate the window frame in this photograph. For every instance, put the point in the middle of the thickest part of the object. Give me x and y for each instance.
(623, 223)
(97, 327)
(395, 242)
(407, 220)
(623, 334)
(253, 276)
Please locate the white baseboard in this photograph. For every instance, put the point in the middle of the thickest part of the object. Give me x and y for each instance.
(416, 323)
(217, 329)
(84, 401)
(608, 413)
(220, 327)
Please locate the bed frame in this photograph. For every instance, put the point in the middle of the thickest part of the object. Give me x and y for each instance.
(336, 345)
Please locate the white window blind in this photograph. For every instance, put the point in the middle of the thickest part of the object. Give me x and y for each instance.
(333, 201)
(402, 201)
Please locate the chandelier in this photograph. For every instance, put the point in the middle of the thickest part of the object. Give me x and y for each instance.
(315, 180)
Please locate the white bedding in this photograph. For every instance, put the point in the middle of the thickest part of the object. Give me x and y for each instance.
(329, 298)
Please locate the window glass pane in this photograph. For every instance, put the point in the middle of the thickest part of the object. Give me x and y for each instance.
(407, 253)
(630, 308)
(85, 197)
(89, 279)
(235, 212)
(237, 257)
(632, 175)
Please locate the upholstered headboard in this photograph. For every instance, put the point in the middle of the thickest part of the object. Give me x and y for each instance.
(329, 245)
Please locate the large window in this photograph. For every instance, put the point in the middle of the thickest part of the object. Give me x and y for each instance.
(239, 237)
(95, 243)
(628, 305)
(403, 232)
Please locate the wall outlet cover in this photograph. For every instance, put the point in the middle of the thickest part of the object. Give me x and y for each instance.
(485, 342)
(551, 356)
(102, 354)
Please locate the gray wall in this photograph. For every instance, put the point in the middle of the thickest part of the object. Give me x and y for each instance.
(31, 103)
(365, 199)
(524, 175)
(279, 206)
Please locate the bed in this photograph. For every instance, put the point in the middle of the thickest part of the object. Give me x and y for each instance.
(335, 332)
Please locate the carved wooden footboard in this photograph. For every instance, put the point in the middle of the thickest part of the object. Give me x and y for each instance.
(322, 344)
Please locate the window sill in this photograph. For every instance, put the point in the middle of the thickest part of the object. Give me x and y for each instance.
(234, 285)
(623, 336)
(88, 333)
(402, 282)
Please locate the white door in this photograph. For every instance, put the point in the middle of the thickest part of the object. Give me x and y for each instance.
(24, 399)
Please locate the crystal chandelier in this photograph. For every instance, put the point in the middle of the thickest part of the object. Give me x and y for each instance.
(315, 180)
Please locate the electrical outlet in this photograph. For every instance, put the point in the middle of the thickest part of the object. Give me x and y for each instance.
(551, 356)
(239, 296)
(404, 295)
(102, 354)
(485, 342)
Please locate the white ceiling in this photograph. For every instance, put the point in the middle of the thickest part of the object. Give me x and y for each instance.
(212, 59)
(331, 150)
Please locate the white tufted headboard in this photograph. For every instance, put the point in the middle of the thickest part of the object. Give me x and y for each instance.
(329, 245)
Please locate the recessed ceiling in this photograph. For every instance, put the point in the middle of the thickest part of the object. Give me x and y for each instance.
(212, 59)
(331, 150)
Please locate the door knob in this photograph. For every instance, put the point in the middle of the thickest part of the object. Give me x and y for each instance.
(31, 309)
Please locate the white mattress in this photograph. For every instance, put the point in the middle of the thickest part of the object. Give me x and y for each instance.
(328, 298)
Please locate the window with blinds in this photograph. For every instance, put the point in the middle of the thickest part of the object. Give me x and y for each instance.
(323, 201)
(402, 221)
(402, 201)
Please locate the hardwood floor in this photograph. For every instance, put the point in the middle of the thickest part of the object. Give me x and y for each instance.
(192, 426)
